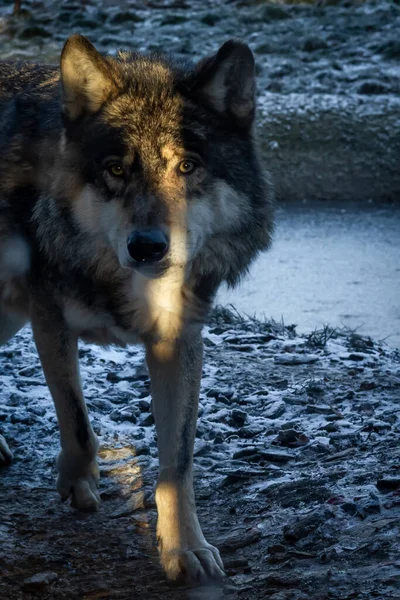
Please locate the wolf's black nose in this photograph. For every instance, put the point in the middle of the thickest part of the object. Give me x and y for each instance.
(149, 245)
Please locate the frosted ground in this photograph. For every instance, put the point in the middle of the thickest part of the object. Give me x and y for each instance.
(296, 467)
(297, 456)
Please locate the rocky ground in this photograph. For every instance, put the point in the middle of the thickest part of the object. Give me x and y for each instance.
(315, 48)
(297, 468)
(328, 75)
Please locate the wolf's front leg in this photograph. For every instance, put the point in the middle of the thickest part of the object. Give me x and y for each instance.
(78, 472)
(175, 370)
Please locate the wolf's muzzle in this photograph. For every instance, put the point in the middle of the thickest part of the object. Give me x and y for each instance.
(147, 246)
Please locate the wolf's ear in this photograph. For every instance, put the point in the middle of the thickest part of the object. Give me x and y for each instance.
(86, 78)
(226, 81)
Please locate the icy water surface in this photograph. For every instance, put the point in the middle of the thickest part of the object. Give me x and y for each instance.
(336, 265)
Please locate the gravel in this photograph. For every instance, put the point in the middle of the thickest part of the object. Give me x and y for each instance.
(292, 497)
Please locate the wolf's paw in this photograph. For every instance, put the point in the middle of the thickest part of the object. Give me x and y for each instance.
(5, 452)
(193, 566)
(80, 486)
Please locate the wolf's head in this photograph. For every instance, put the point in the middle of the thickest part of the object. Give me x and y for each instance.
(169, 175)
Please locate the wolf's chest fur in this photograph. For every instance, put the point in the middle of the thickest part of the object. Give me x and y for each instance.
(114, 307)
(138, 308)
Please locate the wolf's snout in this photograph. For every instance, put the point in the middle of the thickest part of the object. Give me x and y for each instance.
(147, 246)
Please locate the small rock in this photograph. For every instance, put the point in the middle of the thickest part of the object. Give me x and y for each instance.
(277, 457)
(277, 549)
(25, 419)
(147, 421)
(314, 43)
(367, 385)
(336, 500)
(210, 19)
(249, 432)
(388, 484)
(237, 418)
(291, 438)
(142, 450)
(39, 581)
(201, 448)
(280, 384)
(236, 477)
(144, 405)
(350, 508)
(128, 413)
(235, 563)
(319, 409)
(239, 539)
(339, 455)
(113, 377)
(303, 527)
(293, 493)
(373, 88)
(357, 357)
(295, 359)
(275, 410)
(28, 371)
(218, 395)
(370, 506)
(252, 453)
(390, 48)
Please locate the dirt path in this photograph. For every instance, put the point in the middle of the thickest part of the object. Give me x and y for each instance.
(297, 471)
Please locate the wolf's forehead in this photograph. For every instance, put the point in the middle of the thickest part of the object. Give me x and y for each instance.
(158, 119)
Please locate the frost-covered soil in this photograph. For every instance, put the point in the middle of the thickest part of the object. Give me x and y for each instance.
(328, 77)
(329, 48)
(297, 470)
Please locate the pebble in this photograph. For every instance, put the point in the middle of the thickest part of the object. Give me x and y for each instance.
(28, 372)
(373, 87)
(314, 43)
(293, 493)
(275, 410)
(127, 413)
(306, 525)
(357, 357)
(39, 581)
(239, 539)
(291, 438)
(388, 484)
(144, 405)
(295, 359)
(147, 420)
(237, 418)
(201, 448)
(250, 432)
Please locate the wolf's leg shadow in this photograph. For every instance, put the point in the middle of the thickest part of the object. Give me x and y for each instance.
(175, 371)
(78, 472)
(10, 324)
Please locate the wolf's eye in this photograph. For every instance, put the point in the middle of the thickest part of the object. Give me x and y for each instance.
(187, 166)
(116, 170)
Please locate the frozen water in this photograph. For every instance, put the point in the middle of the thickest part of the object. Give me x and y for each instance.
(329, 264)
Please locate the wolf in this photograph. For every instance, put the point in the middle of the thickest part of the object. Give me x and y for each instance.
(130, 189)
